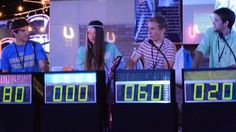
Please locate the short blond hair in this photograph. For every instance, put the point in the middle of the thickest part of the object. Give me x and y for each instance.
(160, 20)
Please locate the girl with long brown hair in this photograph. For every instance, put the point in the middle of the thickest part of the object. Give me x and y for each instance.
(96, 54)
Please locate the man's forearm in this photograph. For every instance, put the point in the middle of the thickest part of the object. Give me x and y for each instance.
(43, 65)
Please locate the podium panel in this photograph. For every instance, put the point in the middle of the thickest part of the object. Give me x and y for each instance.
(19, 101)
(73, 101)
(144, 101)
(209, 100)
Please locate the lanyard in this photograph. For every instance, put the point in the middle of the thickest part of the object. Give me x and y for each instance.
(221, 54)
(23, 59)
(155, 61)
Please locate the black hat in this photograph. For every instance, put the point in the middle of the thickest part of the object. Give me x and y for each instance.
(18, 23)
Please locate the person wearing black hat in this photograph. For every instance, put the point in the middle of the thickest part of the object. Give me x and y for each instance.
(96, 54)
(23, 55)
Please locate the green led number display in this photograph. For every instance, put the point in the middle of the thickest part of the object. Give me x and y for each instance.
(142, 93)
(70, 94)
(15, 94)
(210, 92)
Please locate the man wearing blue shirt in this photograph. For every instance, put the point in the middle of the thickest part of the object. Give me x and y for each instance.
(219, 42)
(23, 55)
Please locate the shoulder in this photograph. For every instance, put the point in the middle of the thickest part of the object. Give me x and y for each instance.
(110, 45)
(144, 44)
(169, 43)
(233, 33)
(82, 47)
(8, 47)
(34, 44)
(211, 32)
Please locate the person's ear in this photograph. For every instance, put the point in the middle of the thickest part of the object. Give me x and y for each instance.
(163, 30)
(226, 23)
(13, 34)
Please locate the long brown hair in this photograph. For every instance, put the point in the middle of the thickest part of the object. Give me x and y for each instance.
(95, 52)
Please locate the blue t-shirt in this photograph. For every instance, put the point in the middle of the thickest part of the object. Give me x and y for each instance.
(22, 58)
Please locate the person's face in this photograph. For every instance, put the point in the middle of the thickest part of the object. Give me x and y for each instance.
(218, 23)
(91, 34)
(154, 32)
(22, 34)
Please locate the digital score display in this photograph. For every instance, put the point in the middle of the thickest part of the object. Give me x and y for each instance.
(143, 87)
(15, 89)
(67, 88)
(143, 92)
(210, 86)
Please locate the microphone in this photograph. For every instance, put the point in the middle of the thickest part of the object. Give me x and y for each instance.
(221, 35)
(152, 43)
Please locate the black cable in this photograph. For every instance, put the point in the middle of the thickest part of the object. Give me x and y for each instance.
(23, 59)
(155, 63)
(151, 42)
(222, 37)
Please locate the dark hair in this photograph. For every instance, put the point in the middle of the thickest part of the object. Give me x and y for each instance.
(226, 15)
(95, 60)
(160, 20)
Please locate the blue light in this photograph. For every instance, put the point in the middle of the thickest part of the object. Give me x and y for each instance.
(68, 78)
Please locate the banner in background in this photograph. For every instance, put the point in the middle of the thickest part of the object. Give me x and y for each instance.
(144, 9)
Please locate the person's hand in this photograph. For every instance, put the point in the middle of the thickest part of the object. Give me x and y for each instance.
(129, 65)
